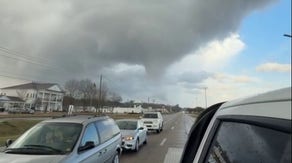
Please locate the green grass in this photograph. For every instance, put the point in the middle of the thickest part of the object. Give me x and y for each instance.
(11, 129)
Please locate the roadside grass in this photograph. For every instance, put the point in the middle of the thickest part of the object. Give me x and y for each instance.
(12, 129)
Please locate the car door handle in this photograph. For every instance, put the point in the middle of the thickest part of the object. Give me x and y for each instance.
(100, 153)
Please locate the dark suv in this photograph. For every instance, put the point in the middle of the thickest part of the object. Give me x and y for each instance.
(73, 139)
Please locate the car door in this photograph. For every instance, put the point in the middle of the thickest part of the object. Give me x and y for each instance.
(92, 154)
(142, 133)
(109, 135)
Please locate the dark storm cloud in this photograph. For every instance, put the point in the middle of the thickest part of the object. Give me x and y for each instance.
(81, 37)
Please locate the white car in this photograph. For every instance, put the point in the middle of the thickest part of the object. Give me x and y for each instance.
(153, 121)
(133, 133)
(255, 129)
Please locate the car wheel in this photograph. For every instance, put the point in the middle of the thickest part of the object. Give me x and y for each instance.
(136, 146)
(145, 142)
(158, 130)
(116, 158)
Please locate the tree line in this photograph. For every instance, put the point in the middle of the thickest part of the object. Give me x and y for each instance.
(85, 93)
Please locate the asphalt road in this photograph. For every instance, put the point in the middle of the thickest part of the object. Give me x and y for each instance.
(166, 146)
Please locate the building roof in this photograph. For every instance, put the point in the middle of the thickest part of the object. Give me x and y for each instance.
(32, 85)
(10, 98)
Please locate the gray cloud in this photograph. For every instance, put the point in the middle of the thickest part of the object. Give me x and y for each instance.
(131, 81)
(85, 38)
(82, 37)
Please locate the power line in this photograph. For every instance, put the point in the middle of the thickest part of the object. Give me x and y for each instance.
(16, 56)
(27, 77)
(15, 53)
(13, 77)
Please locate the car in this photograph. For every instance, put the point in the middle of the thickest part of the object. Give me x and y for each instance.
(134, 133)
(153, 121)
(253, 129)
(86, 139)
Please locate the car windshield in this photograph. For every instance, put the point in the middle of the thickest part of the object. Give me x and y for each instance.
(150, 116)
(47, 138)
(127, 125)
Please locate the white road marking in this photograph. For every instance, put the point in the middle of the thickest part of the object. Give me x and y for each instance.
(163, 141)
(172, 127)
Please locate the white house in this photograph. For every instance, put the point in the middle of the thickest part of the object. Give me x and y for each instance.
(41, 96)
(9, 102)
(135, 109)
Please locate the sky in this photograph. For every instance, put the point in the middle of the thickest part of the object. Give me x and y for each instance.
(165, 51)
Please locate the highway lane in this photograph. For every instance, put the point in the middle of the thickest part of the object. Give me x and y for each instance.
(166, 146)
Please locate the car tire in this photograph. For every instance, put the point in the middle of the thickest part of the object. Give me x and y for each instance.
(145, 142)
(157, 131)
(116, 158)
(137, 146)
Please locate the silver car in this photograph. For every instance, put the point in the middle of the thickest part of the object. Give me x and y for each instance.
(85, 139)
(134, 133)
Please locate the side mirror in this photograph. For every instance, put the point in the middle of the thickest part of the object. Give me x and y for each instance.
(88, 145)
(8, 142)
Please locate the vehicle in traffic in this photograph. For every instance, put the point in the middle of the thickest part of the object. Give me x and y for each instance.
(86, 139)
(153, 121)
(134, 133)
(255, 129)
(20, 111)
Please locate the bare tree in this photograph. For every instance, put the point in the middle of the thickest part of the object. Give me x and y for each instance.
(114, 97)
(73, 88)
(88, 90)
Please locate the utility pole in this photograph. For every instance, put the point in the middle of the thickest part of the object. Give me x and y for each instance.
(205, 88)
(92, 90)
(99, 97)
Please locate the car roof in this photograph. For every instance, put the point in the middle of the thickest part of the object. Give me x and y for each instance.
(81, 119)
(275, 103)
(128, 120)
(272, 96)
(151, 112)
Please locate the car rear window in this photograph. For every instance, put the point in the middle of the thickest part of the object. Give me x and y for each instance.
(241, 143)
(150, 115)
(127, 125)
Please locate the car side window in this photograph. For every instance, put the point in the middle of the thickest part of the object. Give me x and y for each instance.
(240, 142)
(107, 129)
(90, 134)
